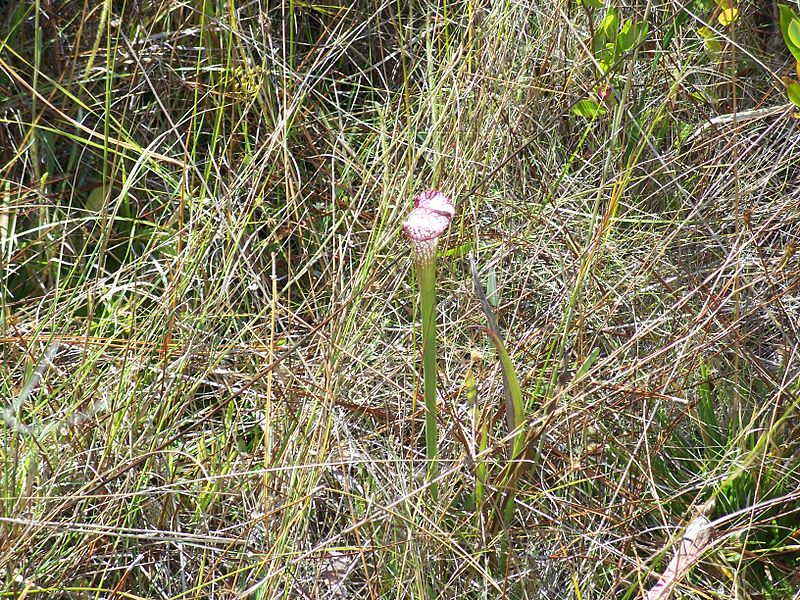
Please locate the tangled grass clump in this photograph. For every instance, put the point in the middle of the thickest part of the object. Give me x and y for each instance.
(207, 331)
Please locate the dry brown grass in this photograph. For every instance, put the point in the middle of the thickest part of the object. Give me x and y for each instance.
(208, 334)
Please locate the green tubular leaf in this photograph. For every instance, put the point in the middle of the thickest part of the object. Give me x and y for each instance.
(517, 409)
(472, 389)
(587, 364)
(96, 200)
(708, 423)
(786, 16)
(426, 276)
(491, 287)
(481, 429)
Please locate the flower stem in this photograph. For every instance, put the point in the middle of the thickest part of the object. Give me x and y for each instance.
(430, 218)
(426, 274)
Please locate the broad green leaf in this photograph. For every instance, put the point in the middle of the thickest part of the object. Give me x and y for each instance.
(631, 34)
(793, 92)
(705, 33)
(642, 29)
(794, 31)
(605, 58)
(592, 3)
(628, 36)
(728, 16)
(712, 45)
(588, 108)
(609, 25)
(787, 18)
(461, 250)
(96, 200)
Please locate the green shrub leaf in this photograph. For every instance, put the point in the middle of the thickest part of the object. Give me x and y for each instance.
(787, 19)
(794, 31)
(793, 91)
(588, 108)
(627, 36)
(728, 16)
(609, 25)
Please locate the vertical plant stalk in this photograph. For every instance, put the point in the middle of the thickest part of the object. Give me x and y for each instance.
(426, 275)
(429, 219)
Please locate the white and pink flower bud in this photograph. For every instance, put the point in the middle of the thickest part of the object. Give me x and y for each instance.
(429, 219)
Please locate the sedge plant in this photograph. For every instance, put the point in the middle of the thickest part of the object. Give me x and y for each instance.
(428, 220)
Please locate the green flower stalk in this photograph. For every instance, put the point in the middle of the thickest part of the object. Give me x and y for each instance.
(429, 219)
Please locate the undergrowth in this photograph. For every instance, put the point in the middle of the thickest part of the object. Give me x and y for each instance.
(210, 358)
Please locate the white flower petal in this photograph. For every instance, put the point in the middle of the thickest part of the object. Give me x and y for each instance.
(425, 224)
(436, 201)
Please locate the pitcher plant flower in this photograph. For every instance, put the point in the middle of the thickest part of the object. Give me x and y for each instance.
(428, 220)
